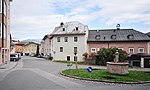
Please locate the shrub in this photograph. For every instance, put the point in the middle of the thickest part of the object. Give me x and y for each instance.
(50, 58)
(107, 55)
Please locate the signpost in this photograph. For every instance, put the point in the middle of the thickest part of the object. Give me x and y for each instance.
(89, 69)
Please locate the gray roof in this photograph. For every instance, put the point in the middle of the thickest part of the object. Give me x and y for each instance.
(73, 27)
(117, 35)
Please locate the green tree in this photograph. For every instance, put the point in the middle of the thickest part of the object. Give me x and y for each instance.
(107, 55)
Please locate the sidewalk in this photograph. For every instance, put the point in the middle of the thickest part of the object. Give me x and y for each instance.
(8, 66)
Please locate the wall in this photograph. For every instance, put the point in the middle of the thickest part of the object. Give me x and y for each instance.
(68, 47)
(124, 45)
(30, 48)
(47, 47)
(7, 32)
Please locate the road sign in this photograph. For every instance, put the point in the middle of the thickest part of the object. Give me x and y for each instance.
(89, 69)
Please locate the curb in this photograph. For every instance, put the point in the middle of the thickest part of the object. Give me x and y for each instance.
(107, 81)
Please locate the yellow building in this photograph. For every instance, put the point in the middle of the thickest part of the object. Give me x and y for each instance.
(30, 48)
(4, 31)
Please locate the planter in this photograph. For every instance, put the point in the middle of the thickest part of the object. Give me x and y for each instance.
(117, 68)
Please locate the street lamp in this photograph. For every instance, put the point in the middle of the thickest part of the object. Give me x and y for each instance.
(75, 53)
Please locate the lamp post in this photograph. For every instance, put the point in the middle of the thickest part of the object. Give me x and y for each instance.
(75, 53)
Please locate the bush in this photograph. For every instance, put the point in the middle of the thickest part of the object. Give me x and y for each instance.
(50, 58)
(107, 55)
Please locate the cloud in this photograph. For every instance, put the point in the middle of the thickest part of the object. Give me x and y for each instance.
(35, 18)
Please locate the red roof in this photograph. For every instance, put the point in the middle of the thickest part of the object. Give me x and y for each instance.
(21, 43)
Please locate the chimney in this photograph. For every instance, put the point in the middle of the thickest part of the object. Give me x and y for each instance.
(118, 26)
(61, 24)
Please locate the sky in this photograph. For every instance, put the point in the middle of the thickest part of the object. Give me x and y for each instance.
(32, 19)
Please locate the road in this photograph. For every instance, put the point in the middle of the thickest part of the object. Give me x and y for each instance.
(33, 73)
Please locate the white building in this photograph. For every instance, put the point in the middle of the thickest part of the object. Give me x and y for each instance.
(46, 45)
(68, 39)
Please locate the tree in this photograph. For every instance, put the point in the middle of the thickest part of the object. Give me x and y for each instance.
(85, 55)
(107, 55)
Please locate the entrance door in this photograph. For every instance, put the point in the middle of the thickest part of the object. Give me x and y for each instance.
(68, 58)
(147, 63)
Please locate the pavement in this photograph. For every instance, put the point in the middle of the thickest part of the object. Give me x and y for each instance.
(32, 73)
(8, 66)
(11, 65)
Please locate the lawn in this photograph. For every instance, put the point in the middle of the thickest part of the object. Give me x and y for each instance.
(101, 74)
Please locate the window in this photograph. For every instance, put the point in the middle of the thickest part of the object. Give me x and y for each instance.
(75, 39)
(0, 30)
(66, 39)
(93, 50)
(75, 58)
(0, 6)
(63, 29)
(130, 36)
(98, 49)
(75, 49)
(120, 48)
(61, 49)
(141, 50)
(4, 31)
(77, 28)
(131, 50)
(5, 8)
(113, 37)
(58, 39)
(97, 37)
(68, 58)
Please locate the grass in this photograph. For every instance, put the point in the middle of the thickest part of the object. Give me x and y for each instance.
(101, 74)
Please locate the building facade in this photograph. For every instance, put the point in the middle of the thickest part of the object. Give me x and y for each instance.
(19, 47)
(130, 40)
(4, 31)
(69, 41)
(46, 45)
(30, 48)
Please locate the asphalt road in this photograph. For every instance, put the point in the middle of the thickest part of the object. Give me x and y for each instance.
(33, 73)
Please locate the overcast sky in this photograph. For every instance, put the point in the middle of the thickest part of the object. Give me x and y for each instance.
(35, 18)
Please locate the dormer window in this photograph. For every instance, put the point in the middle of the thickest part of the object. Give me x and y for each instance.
(61, 24)
(130, 36)
(113, 37)
(97, 37)
(77, 28)
(63, 29)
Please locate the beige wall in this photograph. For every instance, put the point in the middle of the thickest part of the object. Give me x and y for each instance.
(46, 47)
(30, 48)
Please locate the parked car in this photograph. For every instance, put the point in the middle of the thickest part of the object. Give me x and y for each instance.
(14, 57)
